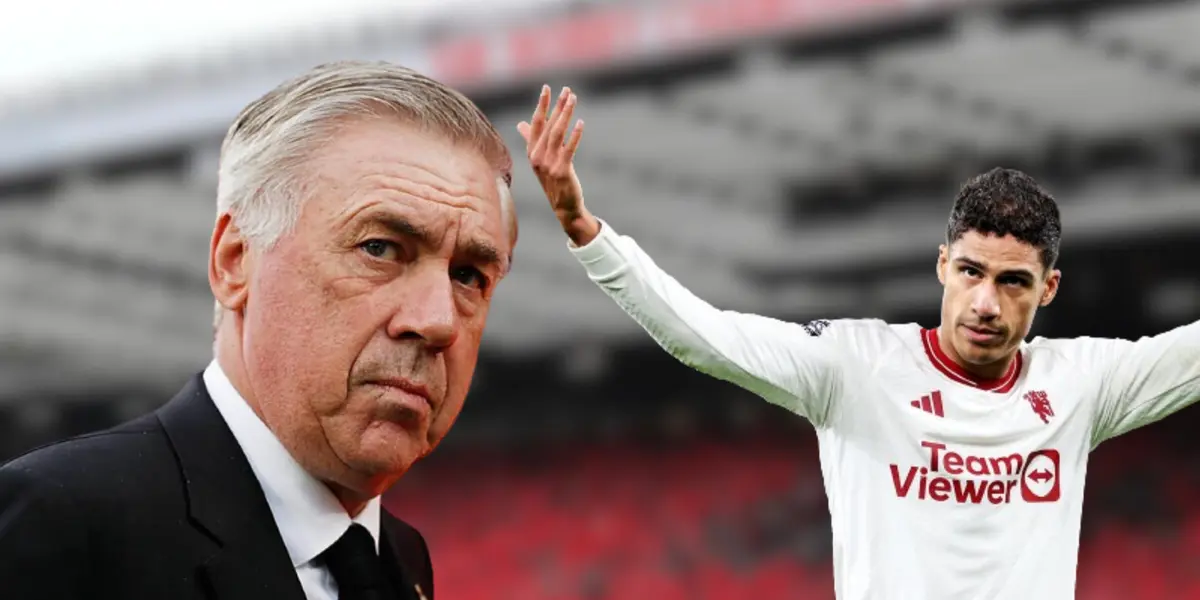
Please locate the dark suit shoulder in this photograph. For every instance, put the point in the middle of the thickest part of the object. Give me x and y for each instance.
(111, 481)
(57, 504)
(99, 457)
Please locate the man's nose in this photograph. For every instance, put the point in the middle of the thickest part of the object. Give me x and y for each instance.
(425, 307)
(986, 301)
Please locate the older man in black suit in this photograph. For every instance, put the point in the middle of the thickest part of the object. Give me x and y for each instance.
(363, 222)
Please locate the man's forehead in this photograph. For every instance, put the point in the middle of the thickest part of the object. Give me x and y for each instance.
(996, 253)
(387, 153)
(997, 247)
(427, 182)
(407, 190)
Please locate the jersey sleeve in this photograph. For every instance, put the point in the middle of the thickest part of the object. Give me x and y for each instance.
(1145, 380)
(797, 366)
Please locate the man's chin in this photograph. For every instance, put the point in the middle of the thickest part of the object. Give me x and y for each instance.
(387, 449)
(982, 356)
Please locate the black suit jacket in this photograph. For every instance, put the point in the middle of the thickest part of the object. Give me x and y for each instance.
(165, 506)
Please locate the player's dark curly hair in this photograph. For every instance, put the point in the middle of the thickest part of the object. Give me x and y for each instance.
(1008, 202)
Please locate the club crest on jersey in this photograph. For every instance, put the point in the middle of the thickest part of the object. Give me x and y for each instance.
(815, 328)
(1040, 403)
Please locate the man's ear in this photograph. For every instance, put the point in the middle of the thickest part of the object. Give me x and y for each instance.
(228, 264)
(1051, 289)
(942, 261)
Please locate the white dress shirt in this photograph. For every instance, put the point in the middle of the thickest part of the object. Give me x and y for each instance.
(308, 515)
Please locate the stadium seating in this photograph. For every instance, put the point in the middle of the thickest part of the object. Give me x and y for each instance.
(715, 175)
(1167, 30)
(740, 518)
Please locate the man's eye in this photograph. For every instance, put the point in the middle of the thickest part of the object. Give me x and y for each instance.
(469, 276)
(970, 271)
(379, 248)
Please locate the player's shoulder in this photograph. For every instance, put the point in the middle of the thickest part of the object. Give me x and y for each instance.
(1070, 346)
(1080, 352)
(867, 336)
(841, 328)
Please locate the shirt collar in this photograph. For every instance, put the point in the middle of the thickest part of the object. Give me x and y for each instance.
(307, 514)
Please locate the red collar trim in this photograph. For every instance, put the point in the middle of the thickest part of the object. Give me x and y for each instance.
(951, 369)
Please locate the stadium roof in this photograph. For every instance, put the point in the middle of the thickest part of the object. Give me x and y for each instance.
(47, 47)
(183, 99)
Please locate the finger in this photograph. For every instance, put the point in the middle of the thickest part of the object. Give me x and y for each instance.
(558, 105)
(537, 122)
(523, 129)
(546, 142)
(558, 127)
(573, 142)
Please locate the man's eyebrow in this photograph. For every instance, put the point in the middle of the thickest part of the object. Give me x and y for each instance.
(479, 251)
(980, 266)
(402, 227)
(476, 250)
(970, 262)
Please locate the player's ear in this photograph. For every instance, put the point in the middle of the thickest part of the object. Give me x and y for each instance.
(1051, 288)
(942, 261)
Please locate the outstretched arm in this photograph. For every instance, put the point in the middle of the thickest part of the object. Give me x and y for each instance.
(797, 367)
(1145, 380)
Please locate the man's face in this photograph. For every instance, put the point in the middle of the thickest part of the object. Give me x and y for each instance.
(992, 288)
(362, 327)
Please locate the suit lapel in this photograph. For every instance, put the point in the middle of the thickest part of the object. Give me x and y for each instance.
(406, 586)
(247, 559)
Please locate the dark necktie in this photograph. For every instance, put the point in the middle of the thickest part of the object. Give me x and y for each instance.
(356, 567)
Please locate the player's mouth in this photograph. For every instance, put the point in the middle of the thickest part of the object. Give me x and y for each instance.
(983, 336)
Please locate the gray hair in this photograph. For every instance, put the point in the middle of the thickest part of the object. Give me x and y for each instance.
(261, 174)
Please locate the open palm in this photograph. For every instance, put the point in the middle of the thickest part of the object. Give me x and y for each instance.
(551, 154)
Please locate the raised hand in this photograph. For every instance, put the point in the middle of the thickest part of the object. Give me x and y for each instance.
(552, 154)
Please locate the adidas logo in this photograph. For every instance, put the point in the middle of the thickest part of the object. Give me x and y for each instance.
(931, 404)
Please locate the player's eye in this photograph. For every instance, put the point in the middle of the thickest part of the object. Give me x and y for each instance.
(470, 276)
(381, 249)
(970, 271)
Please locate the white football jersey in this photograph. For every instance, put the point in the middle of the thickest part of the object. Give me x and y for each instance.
(940, 485)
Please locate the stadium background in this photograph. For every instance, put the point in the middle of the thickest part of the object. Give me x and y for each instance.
(786, 157)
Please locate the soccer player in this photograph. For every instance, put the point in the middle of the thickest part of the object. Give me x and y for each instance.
(953, 458)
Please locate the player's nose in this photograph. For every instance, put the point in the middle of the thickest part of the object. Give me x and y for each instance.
(985, 302)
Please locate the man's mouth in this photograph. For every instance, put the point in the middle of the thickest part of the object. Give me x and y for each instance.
(982, 335)
(404, 398)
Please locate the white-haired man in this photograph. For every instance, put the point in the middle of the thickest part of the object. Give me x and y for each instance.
(363, 222)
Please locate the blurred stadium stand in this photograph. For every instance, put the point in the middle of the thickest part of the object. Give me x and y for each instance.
(795, 162)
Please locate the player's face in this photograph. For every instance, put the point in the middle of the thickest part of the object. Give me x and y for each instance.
(363, 325)
(992, 288)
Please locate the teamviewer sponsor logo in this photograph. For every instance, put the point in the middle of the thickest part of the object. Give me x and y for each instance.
(951, 476)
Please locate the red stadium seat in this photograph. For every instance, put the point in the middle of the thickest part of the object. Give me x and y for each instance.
(603, 521)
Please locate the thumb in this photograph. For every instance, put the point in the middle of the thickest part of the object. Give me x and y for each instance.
(523, 129)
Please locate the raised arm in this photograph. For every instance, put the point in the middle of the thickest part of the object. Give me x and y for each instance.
(799, 367)
(1145, 380)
